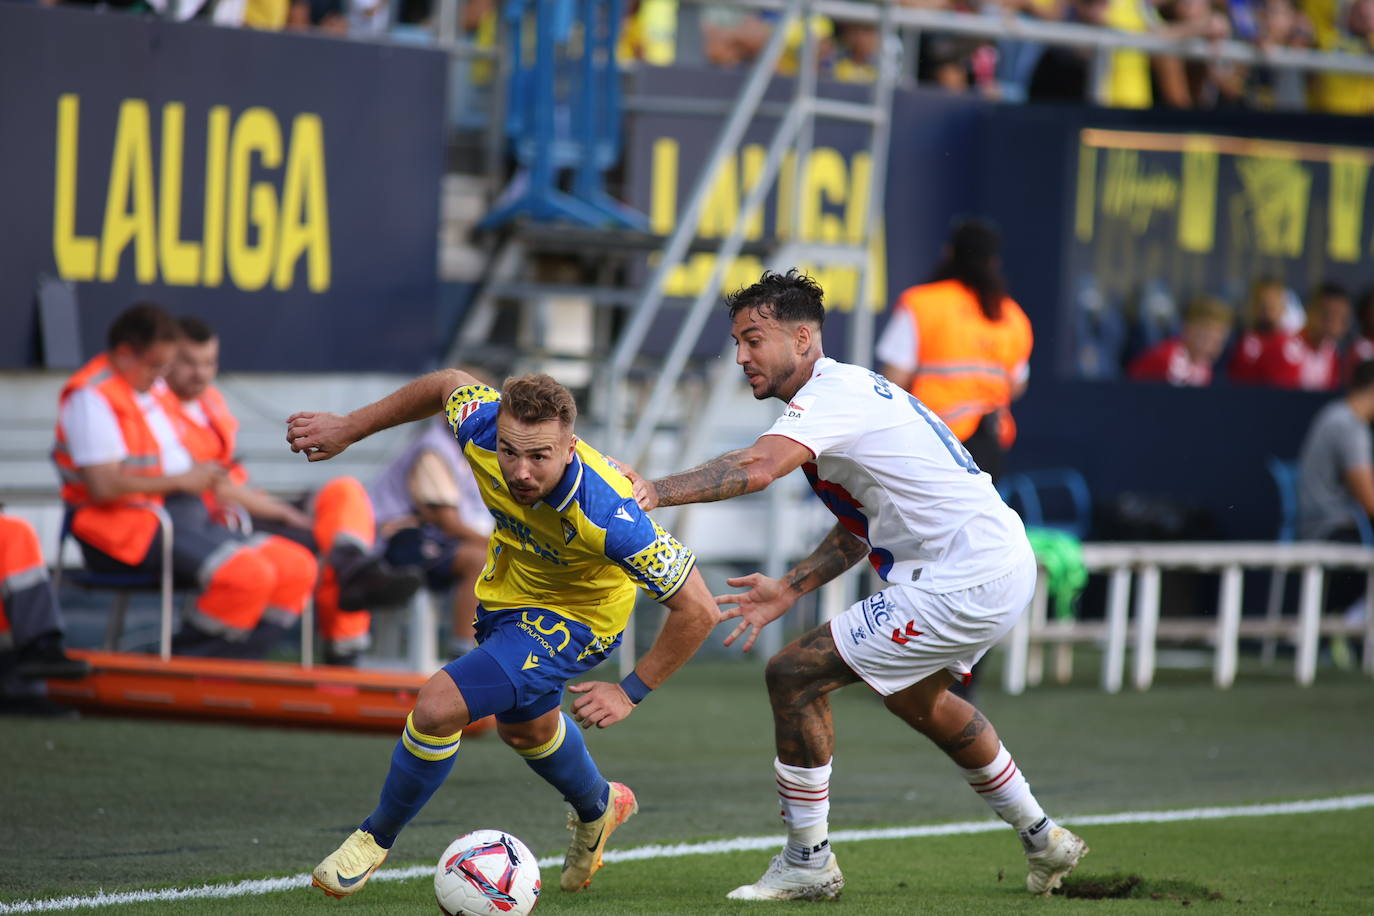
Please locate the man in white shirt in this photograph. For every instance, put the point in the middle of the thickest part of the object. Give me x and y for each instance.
(119, 454)
(909, 497)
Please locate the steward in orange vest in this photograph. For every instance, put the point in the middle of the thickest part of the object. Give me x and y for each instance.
(961, 346)
(339, 527)
(118, 454)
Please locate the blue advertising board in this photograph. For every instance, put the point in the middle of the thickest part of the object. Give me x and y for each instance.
(283, 187)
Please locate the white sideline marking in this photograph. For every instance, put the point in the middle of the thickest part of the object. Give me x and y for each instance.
(674, 850)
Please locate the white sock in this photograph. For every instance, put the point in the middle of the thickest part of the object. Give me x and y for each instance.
(805, 796)
(1006, 791)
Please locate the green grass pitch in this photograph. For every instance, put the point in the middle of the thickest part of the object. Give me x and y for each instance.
(120, 805)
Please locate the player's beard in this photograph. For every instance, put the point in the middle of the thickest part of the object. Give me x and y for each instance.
(775, 382)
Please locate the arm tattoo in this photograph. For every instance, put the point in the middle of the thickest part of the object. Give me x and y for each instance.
(839, 551)
(720, 478)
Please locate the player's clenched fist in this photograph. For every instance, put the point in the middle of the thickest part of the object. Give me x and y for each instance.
(320, 435)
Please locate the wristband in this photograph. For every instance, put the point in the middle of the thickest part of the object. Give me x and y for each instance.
(635, 688)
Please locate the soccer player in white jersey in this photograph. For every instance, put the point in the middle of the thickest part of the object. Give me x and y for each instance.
(907, 496)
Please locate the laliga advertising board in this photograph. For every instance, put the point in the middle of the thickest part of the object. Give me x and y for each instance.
(284, 187)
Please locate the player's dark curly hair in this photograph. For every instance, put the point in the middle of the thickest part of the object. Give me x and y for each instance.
(788, 297)
(538, 398)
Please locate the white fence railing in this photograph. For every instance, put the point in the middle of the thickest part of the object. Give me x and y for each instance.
(1144, 563)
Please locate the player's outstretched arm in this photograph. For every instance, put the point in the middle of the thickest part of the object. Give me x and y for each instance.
(323, 435)
(691, 616)
(768, 599)
(745, 470)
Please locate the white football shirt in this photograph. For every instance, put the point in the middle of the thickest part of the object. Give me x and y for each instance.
(94, 437)
(896, 477)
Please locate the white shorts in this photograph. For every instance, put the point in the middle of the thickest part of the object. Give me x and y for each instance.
(902, 635)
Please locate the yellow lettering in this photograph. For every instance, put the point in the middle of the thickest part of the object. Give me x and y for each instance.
(75, 255)
(180, 260)
(255, 203)
(663, 186)
(129, 200)
(1345, 215)
(826, 179)
(216, 152)
(304, 207)
(1085, 202)
(1198, 208)
(721, 209)
(751, 167)
(1277, 190)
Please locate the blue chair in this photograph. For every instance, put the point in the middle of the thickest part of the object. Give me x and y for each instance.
(1285, 474)
(124, 584)
(1054, 498)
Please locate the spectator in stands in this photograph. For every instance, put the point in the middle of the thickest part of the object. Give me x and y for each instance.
(962, 345)
(338, 526)
(431, 515)
(1362, 347)
(856, 52)
(1348, 26)
(1187, 359)
(1064, 74)
(1267, 345)
(1193, 83)
(119, 455)
(731, 35)
(31, 630)
(1279, 24)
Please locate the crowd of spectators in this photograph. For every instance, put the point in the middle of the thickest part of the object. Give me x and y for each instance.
(1017, 69)
(728, 35)
(1281, 343)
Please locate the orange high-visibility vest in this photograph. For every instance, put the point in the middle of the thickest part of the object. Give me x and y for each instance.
(214, 443)
(208, 444)
(120, 528)
(964, 362)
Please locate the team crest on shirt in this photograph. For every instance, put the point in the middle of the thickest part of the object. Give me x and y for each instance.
(569, 532)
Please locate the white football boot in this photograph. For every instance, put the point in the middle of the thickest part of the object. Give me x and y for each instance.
(784, 881)
(1049, 866)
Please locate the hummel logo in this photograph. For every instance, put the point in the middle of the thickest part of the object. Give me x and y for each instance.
(530, 662)
(623, 515)
(911, 631)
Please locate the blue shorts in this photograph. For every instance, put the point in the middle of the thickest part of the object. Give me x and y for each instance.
(536, 650)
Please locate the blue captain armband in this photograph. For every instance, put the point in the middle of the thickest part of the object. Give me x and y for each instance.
(635, 688)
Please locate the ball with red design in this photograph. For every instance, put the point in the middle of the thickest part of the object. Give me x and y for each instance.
(487, 873)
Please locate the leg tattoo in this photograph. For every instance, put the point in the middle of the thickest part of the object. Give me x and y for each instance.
(970, 733)
(799, 679)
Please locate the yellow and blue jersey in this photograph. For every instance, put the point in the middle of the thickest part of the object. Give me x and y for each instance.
(581, 550)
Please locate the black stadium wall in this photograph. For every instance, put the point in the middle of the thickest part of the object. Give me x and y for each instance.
(285, 188)
(1094, 206)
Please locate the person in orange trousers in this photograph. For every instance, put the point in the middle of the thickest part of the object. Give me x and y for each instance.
(119, 458)
(336, 522)
(31, 629)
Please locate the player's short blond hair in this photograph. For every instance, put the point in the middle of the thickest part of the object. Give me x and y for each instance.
(537, 398)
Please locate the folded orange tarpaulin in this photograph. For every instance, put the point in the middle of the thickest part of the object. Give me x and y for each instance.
(277, 692)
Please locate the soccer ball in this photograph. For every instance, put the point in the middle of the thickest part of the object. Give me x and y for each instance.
(487, 873)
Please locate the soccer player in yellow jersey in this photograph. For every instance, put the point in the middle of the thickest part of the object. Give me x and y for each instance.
(570, 546)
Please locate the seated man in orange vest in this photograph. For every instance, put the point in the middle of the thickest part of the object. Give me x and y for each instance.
(31, 627)
(339, 527)
(118, 454)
